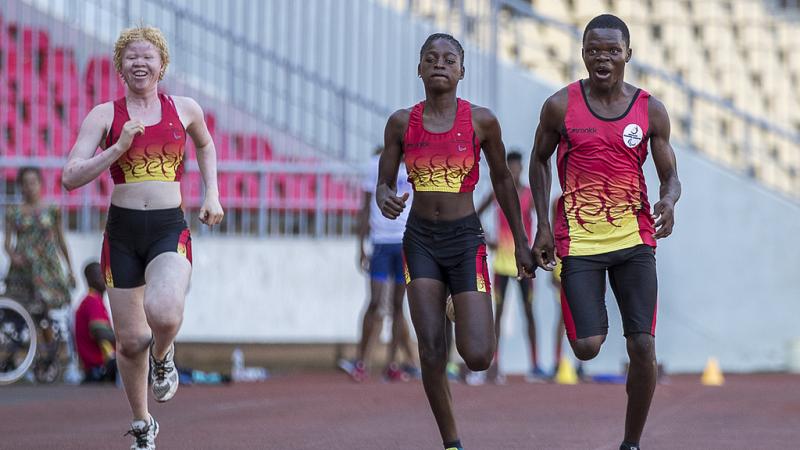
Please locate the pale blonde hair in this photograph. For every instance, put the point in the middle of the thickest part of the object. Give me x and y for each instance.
(142, 33)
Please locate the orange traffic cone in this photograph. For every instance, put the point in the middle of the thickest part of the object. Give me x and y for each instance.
(712, 374)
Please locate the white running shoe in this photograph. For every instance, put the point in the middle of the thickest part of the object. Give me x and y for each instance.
(475, 378)
(144, 434)
(163, 375)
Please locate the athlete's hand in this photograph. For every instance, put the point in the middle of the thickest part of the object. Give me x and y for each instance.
(131, 129)
(364, 261)
(664, 215)
(526, 268)
(211, 212)
(543, 249)
(391, 205)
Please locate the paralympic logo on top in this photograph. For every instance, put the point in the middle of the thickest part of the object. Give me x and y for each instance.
(632, 135)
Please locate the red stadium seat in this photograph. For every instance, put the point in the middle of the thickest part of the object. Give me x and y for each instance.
(211, 123)
(102, 81)
(192, 189)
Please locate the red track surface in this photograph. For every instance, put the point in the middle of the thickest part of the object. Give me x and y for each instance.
(326, 411)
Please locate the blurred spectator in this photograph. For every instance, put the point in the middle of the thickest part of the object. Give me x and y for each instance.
(94, 337)
(33, 241)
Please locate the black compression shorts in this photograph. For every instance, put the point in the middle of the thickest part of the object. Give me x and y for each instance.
(134, 237)
(453, 252)
(632, 273)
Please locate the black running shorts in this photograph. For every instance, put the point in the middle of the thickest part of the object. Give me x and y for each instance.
(134, 237)
(453, 252)
(632, 273)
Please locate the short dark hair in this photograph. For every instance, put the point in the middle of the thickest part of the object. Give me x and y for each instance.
(94, 276)
(608, 21)
(513, 156)
(23, 170)
(446, 37)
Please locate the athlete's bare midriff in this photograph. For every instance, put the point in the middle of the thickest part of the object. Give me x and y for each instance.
(442, 205)
(147, 195)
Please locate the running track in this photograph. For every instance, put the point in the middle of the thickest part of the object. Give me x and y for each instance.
(327, 412)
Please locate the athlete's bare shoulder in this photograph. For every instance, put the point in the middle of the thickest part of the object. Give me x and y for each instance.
(398, 120)
(554, 109)
(657, 116)
(187, 104)
(483, 116)
(100, 116)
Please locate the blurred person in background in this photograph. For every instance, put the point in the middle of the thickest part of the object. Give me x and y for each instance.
(385, 268)
(34, 242)
(147, 248)
(440, 139)
(94, 337)
(504, 267)
(601, 127)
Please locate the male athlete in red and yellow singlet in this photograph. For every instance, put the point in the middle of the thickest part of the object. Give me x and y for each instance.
(601, 127)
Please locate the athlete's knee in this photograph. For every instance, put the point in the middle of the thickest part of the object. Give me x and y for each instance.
(479, 360)
(478, 355)
(432, 355)
(641, 348)
(131, 345)
(587, 348)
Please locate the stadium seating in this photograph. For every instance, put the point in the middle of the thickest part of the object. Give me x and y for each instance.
(740, 51)
(44, 97)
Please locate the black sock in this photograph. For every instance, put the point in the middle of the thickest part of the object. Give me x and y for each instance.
(451, 444)
(629, 446)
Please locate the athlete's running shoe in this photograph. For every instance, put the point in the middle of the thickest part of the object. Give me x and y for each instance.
(356, 369)
(164, 375)
(144, 434)
(393, 373)
(626, 446)
(412, 371)
(500, 379)
(537, 375)
(475, 378)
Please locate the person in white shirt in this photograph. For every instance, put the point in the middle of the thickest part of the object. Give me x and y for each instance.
(386, 269)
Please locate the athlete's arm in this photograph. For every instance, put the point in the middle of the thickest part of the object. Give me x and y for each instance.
(488, 130)
(211, 212)
(548, 134)
(363, 230)
(484, 205)
(82, 164)
(386, 192)
(666, 166)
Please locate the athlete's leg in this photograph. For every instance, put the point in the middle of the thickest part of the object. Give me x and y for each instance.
(132, 339)
(370, 323)
(167, 279)
(526, 288)
(401, 338)
(475, 338)
(635, 286)
(583, 280)
(426, 300)
(559, 329)
(500, 284)
(641, 383)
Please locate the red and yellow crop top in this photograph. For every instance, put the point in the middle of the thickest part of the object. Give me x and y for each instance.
(442, 162)
(156, 155)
